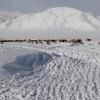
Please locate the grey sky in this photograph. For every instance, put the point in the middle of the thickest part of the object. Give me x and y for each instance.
(34, 6)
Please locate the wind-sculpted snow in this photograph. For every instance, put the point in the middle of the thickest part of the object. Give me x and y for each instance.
(56, 19)
(30, 62)
(72, 72)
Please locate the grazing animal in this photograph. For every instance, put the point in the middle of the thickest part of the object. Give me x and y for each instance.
(28, 41)
(88, 39)
(1, 42)
(73, 41)
(15, 40)
(59, 40)
(24, 40)
(99, 43)
(12, 40)
(19, 41)
(53, 40)
(45, 40)
(48, 43)
(64, 40)
(36, 42)
(32, 41)
(79, 41)
(41, 42)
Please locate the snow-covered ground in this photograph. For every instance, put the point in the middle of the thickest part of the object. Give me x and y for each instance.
(61, 71)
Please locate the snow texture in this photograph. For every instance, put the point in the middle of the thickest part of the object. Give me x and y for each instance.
(67, 71)
(29, 62)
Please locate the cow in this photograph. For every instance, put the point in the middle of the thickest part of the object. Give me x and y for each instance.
(48, 43)
(73, 41)
(59, 40)
(1, 42)
(41, 42)
(54, 41)
(36, 41)
(32, 41)
(88, 39)
(79, 41)
(64, 40)
(28, 41)
(24, 40)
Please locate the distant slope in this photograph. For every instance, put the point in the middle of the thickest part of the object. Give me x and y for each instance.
(4, 16)
(58, 19)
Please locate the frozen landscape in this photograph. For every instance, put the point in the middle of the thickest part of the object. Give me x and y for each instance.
(58, 71)
(50, 23)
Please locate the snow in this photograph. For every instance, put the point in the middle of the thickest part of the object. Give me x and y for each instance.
(4, 16)
(60, 18)
(29, 62)
(59, 71)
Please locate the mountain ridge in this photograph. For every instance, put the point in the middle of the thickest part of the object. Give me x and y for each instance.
(59, 18)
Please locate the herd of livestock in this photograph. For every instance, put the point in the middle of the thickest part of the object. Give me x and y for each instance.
(46, 41)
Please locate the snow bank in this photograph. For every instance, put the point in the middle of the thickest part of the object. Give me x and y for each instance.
(29, 62)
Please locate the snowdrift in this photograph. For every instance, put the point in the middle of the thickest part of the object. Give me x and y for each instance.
(30, 62)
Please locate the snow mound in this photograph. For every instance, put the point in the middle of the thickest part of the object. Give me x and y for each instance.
(30, 62)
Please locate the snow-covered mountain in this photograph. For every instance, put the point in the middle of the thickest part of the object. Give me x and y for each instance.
(4, 16)
(60, 19)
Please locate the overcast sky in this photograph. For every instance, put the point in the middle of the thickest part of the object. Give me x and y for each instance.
(34, 6)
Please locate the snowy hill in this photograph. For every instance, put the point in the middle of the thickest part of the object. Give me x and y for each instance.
(58, 19)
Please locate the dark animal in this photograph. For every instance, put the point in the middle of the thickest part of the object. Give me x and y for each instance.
(73, 41)
(88, 39)
(64, 40)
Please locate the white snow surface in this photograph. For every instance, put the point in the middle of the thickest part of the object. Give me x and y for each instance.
(57, 19)
(61, 71)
